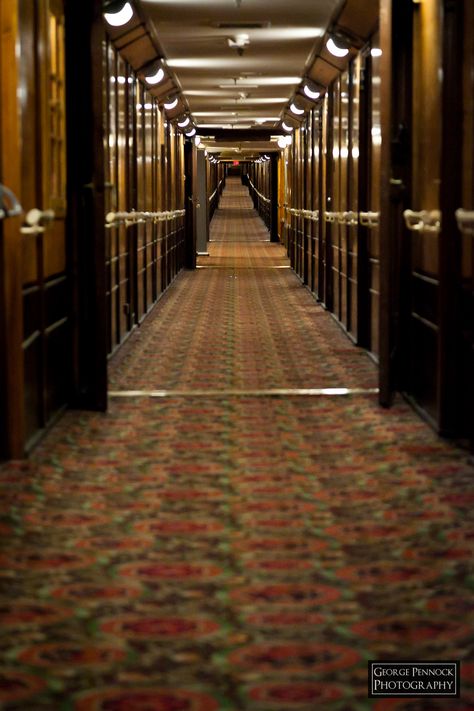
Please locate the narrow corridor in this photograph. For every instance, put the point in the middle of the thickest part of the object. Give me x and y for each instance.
(231, 535)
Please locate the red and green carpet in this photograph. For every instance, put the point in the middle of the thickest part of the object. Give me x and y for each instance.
(220, 549)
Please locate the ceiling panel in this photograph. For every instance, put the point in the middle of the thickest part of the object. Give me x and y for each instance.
(249, 83)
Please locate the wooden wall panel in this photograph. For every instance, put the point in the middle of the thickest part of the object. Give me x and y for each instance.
(47, 344)
(343, 199)
(374, 196)
(422, 337)
(353, 196)
(145, 169)
(334, 199)
(315, 149)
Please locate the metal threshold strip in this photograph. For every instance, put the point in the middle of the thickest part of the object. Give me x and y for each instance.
(271, 392)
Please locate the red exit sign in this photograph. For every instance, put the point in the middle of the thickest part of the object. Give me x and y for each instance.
(236, 162)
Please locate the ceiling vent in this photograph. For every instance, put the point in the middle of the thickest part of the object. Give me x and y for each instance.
(241, 25)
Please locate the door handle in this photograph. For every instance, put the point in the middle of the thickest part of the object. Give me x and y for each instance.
(465, 220)
(36, 221)
(423, 221)
(369, 219)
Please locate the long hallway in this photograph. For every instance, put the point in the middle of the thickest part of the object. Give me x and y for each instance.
(231, 534)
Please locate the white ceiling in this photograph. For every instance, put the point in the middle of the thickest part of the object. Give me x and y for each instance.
(222, 88)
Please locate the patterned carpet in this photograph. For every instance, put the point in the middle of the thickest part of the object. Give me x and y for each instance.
(225, 551)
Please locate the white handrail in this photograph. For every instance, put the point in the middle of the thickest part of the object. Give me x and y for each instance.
(331, 216)
(369, 219)
(349, 218)
(465, 220)
(113, 219)
(423, 221)
(265, 199)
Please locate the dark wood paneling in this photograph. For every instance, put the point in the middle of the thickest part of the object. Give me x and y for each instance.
(144, 166)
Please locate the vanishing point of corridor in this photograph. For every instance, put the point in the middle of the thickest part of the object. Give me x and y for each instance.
(232, 534)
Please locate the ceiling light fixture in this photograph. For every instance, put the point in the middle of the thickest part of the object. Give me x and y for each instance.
(119, 14)
(286, 127)
(155, 78)
(170, 105)
(295, 109)
(311, 92)
(184, 122)
(239, 42)
(337, 47)
(197, 140)
(282, 142)
(376, 52)
(191, 133)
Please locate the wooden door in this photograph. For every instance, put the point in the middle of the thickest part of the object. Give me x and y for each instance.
(353, 198)
(47, 350)
(317, 225)
(11, 324)
(334, 199)
(307, 200)
(369, 179)
(420, 377)
(344, 161)
(325, 261)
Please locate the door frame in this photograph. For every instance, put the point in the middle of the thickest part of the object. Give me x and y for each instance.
(85, 38)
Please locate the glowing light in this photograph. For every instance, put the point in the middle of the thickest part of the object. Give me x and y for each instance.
(170, 105)
(197, 140)
(311, 94)
(286, 127)
(288, 140)
(376, 52)
(282, 142)
(191, 133)
(264, 120)
(117, 19)
(184, 123)
(336, 50)
(155, 78)
(294, 109)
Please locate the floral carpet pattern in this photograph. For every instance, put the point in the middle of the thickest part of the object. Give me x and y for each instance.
(227, 552)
